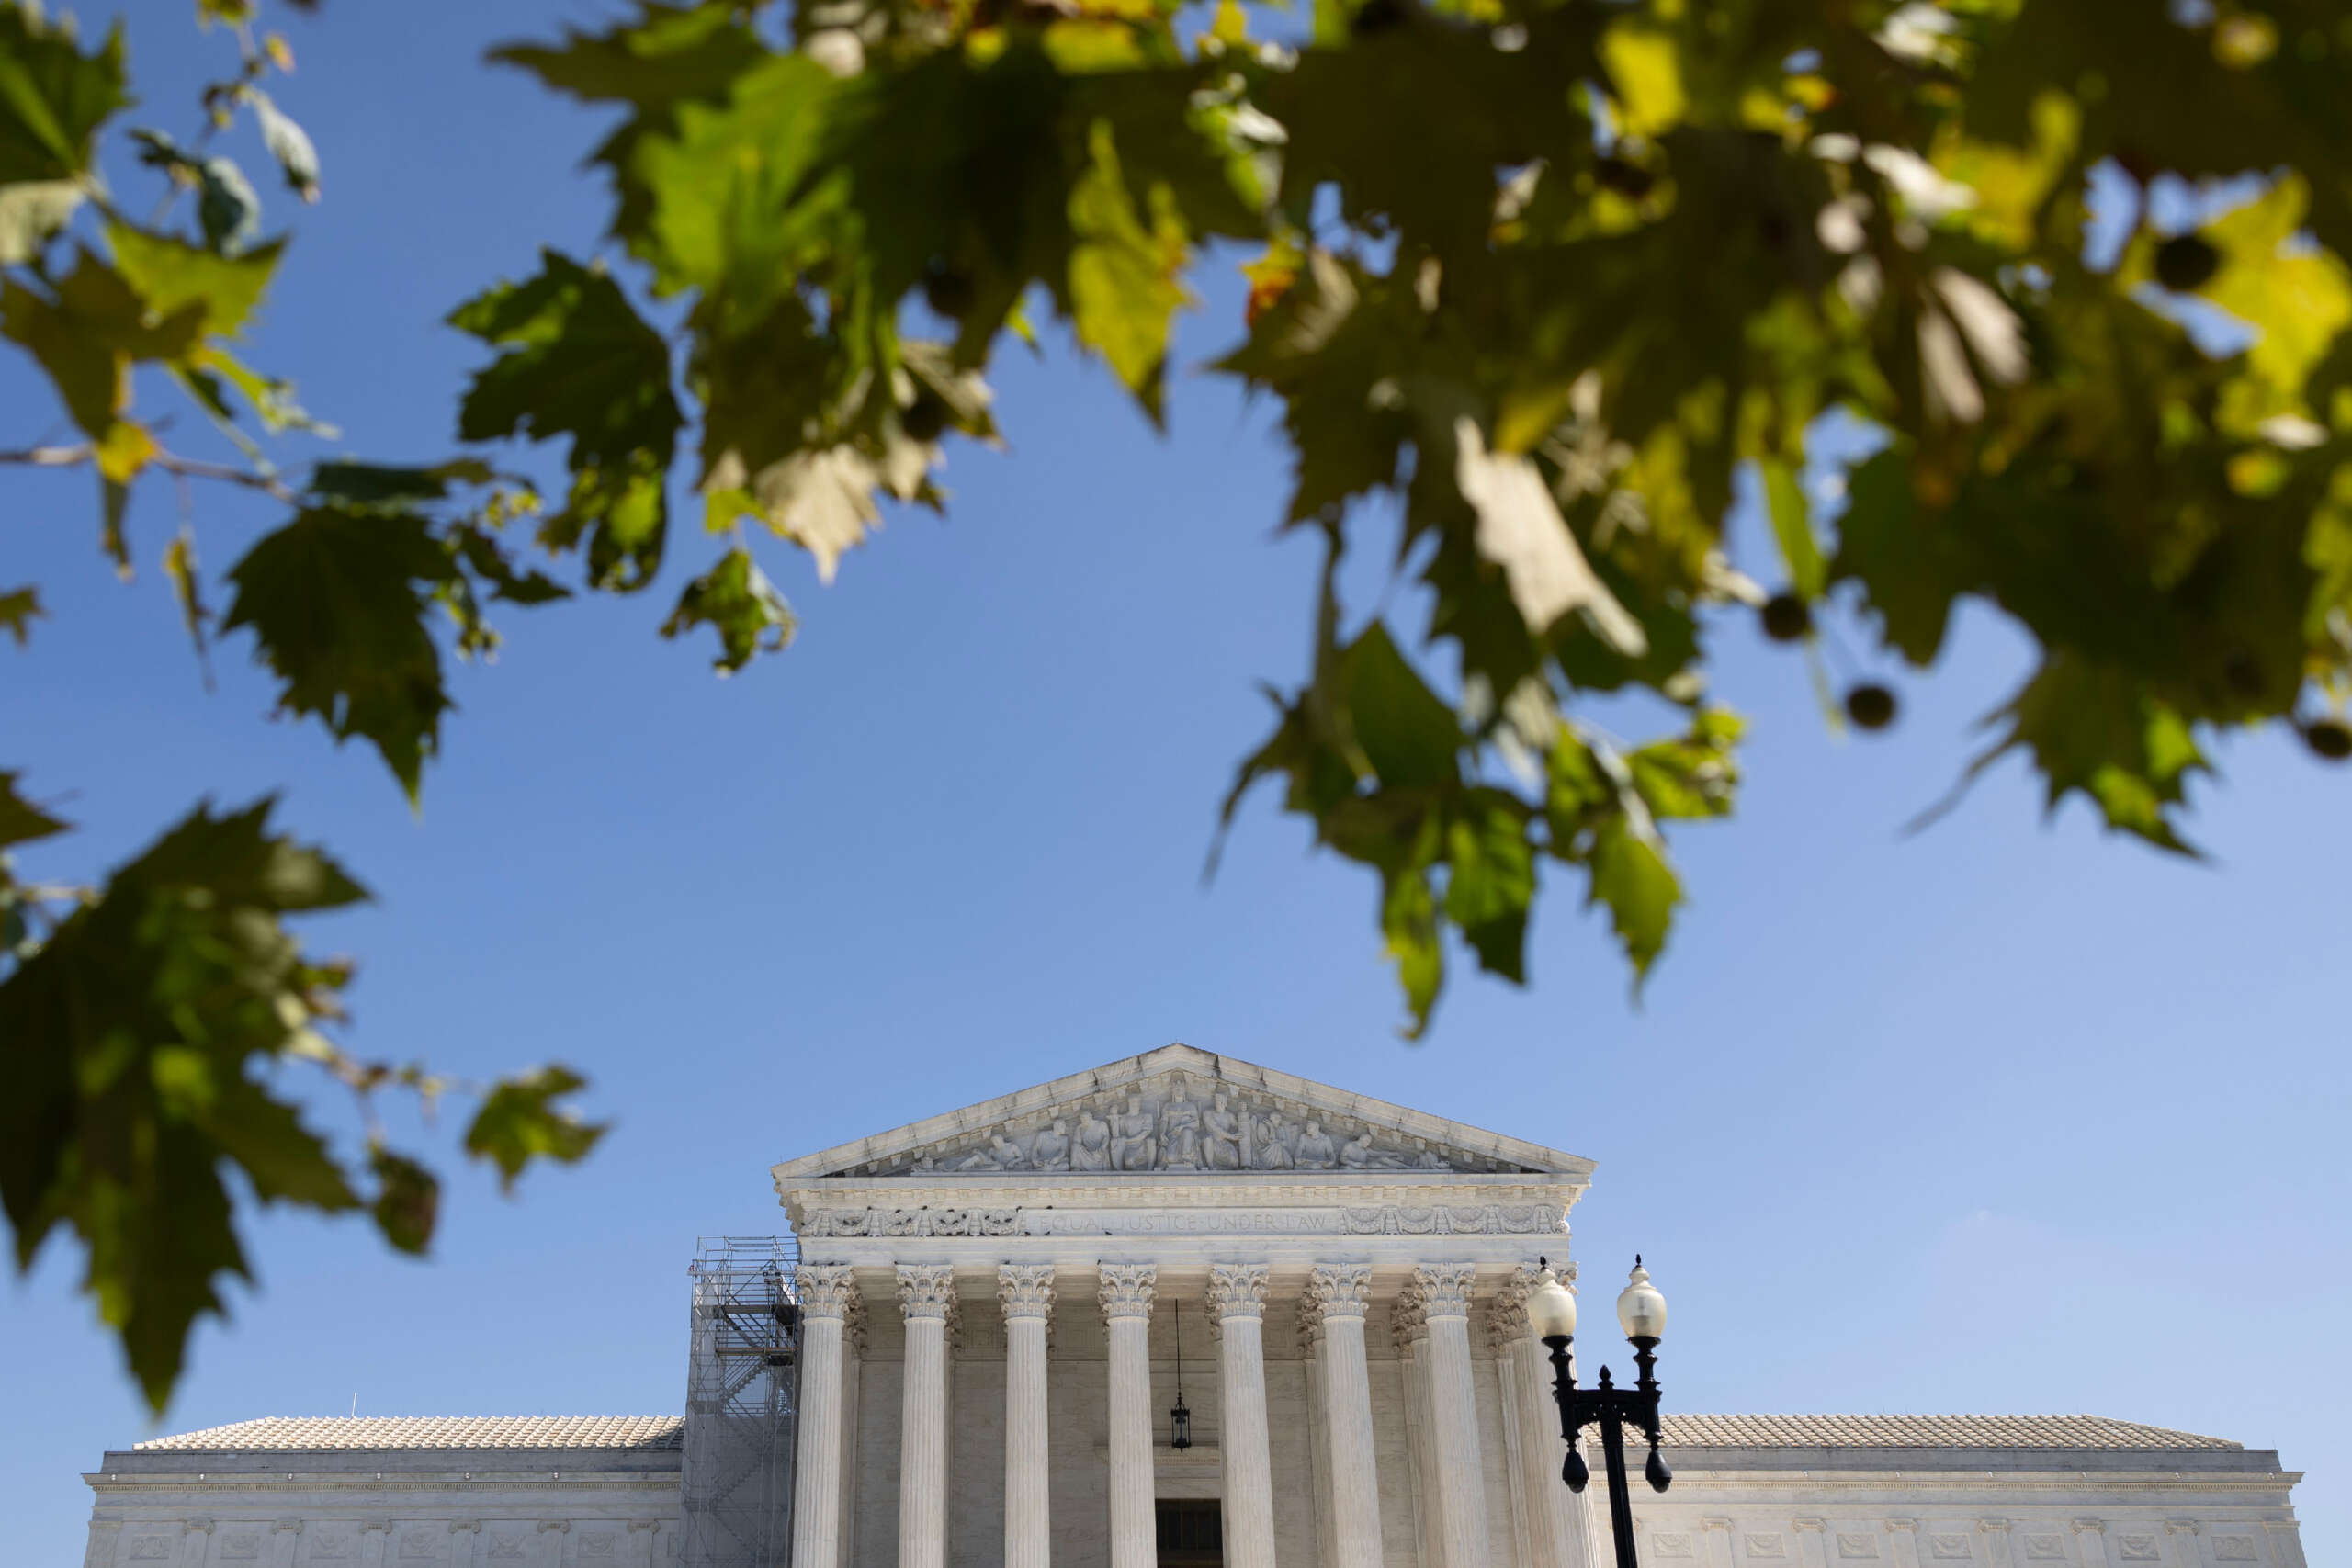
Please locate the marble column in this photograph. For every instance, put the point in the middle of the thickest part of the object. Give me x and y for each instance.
(1811, 1549)
(1718, 1539)
(926, 1299)
(1998, 1551)
(1903, 1541)
(374, 1536)
(1337, 1291)
(196, 1546)
(1444, 1291)
(464, 1534)
(1410, 1326)
(1311, 1357)
(828, 1295)
(551, 1536)
(2184, 1535)
(1127, 1294)
(285, 1538)
(1554, 1538)
(1026, 1292)
(1237, 1310)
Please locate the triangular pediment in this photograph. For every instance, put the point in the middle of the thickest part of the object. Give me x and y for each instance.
(1178, 1110)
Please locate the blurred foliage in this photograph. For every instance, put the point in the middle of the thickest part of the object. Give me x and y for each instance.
(1553, 281)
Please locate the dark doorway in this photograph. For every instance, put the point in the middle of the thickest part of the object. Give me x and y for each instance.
(1192, 1533)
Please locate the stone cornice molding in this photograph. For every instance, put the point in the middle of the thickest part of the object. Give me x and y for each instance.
(1025, 1290)
(1237, 1290)
(1337, 1289)
(1127, 1289)
(1443, 1289)
(927, 1290)
(826, 1290)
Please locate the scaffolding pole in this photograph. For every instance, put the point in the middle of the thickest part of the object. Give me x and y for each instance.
(742, 1393)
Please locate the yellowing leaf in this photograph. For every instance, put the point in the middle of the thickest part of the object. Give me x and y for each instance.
(1645, 70)
(1123, 275)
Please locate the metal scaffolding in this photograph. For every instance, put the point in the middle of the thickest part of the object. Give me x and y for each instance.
(742, 1396)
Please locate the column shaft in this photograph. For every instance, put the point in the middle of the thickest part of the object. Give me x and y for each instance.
(1027, 1293)
(1444, 1292)
(927, 1293)
(1128, 1290)
(825, 1292)
(1553, 1538)
(1340, 1292)
(1236, 1300)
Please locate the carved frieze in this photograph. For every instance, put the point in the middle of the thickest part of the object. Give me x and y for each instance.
(1171, 1125)
(1490, 1219)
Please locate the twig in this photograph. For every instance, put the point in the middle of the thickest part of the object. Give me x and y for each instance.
(168, 462)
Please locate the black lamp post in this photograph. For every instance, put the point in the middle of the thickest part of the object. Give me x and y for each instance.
(1641, 1312)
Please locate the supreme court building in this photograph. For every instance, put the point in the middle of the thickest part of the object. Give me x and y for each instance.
(995, 1311)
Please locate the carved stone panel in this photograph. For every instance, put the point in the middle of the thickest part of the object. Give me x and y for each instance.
(240, 1546)
(419, 1543)
(1172, 1124)
(1765, 1544)
(505, 1547)
(151, 1548)
(2045, 1548)
(2234, 1549)
(1853, 1545)
(2137, 1548)
(1671, 1546)
(1951, 1548)
(604, 1546)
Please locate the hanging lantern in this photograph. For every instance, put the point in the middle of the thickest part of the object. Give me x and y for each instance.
(1180, 1419)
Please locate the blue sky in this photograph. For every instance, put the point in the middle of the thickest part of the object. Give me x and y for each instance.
(2007, 1116)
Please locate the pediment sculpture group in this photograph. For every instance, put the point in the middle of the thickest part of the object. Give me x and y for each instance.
(1182, 1134)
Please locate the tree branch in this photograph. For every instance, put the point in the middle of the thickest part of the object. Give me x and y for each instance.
(169, 462)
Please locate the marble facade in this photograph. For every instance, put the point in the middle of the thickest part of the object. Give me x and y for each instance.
(996, 1304)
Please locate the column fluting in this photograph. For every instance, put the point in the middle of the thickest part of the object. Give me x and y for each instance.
(927, 1299)
(1026, 1291)
(828, 1295)
(1237, 1308)
(1127, 1295)
(1553, 1537)
(1336, 1292)
(1443, 1291)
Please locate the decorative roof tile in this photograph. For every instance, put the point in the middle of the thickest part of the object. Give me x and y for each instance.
(1927, 1432)
(297, 1432)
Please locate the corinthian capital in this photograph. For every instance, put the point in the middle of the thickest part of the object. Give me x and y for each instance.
(1443, 1289)
(826, 1290)
(1127, 1290)
(1025, 1290)
(927, 1289)
(1237, 1290)
(1338, 1290)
